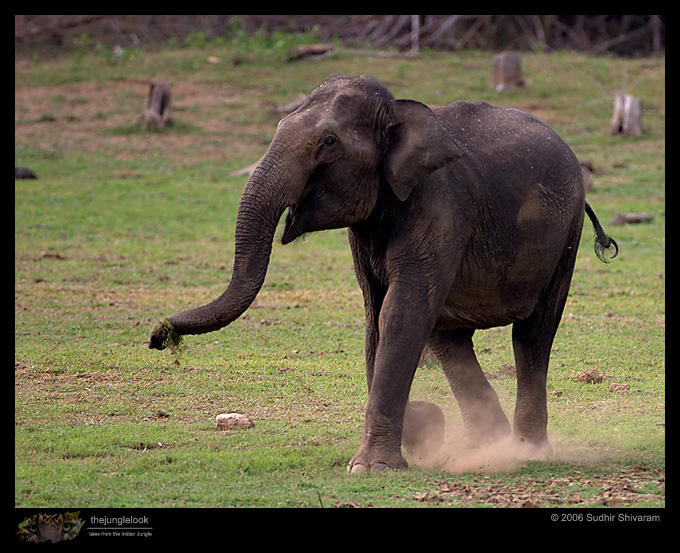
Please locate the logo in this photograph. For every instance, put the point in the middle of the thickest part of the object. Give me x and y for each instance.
(45, 527)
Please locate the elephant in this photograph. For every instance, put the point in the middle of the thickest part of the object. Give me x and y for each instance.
(462, 217)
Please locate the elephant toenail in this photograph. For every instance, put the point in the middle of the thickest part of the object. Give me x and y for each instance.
(379, 467)
(358, 469)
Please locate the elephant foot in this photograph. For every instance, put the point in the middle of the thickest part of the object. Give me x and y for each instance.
(533, 449)
(484, 432)
(424, 425)
(365, 461)
(360, 469)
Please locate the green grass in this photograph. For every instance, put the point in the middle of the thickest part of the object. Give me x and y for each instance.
(125, 227)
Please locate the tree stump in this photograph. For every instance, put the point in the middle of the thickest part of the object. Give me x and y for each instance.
(507, 71)
(157, 112)
(627, 117)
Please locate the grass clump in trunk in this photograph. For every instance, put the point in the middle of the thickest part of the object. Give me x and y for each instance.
(164, 335)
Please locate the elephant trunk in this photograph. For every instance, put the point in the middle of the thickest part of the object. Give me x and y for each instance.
(263, 202)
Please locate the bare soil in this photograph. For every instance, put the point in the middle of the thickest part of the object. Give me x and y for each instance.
(91, 116)
(624, 489)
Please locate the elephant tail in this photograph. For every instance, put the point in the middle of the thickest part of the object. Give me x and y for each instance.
(606, 247)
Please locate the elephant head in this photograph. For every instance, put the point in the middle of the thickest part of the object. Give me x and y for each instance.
(326, 165)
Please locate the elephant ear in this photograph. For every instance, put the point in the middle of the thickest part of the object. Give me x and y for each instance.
(417, 147)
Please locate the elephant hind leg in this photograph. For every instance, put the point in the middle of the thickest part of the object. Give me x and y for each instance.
(532, 341)
(532, 353)
(483, 419)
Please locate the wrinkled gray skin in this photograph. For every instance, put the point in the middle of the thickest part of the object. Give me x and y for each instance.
(462, 218)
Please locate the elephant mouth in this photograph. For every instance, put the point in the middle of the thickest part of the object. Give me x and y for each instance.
(291, 230)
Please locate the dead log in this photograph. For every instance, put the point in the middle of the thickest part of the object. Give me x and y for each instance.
(631, 218)
(23, 173)
(627, 118)
(383, 54)
(507, 71)
(157, 113)
(313, 51)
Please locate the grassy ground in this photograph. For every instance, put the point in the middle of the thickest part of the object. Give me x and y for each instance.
(125, 226)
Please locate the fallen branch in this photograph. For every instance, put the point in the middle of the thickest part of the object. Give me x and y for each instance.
(290, 108)
(314, 51)
(245, 171)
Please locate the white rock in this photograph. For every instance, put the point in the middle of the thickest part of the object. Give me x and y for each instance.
(233, 420)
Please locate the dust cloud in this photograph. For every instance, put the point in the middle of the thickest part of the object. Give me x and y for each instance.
(506, 455)
(503, 456)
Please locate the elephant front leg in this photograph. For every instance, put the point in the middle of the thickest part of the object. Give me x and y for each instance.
(403, 331)
(380, 447)
(380, 444)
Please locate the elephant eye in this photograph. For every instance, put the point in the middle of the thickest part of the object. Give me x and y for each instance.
(329, 149)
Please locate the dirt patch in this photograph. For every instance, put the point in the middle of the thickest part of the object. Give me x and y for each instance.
(502, 477)
(626, 488)
(95, 117)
